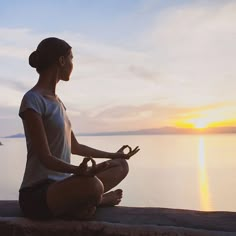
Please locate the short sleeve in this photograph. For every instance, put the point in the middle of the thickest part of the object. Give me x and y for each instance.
(32, 100)
(62, 103)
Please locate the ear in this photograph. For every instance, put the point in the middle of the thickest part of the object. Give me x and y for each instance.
(62, 60)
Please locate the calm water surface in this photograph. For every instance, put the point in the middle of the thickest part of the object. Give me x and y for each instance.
(174, 171)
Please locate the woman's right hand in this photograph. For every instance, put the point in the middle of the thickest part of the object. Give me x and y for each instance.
(130, 153)
(84, 170)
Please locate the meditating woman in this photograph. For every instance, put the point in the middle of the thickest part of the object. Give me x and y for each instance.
(52, 186)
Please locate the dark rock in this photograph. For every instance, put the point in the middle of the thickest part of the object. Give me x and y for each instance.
(121, 221)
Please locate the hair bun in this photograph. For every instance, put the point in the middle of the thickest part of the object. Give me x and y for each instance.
(34, 59)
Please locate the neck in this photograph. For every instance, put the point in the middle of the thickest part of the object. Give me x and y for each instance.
(47, 82)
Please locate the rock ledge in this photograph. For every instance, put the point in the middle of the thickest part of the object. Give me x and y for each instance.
(122, 221)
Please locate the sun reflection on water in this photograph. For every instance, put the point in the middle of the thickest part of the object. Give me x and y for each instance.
(203, 178)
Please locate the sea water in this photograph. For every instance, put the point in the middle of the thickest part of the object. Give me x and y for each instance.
(174, 171)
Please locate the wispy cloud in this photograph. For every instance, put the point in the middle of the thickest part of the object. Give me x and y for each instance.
(9, 120)
(14, 84)
(125, 117)
(193, 48)
(150, 115)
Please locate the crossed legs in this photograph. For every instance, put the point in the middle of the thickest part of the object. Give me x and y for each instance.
(79, 196)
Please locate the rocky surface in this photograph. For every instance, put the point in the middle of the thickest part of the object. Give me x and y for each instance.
(121, 221)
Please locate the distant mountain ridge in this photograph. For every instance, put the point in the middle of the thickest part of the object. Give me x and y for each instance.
(19, 135)
(154, 131)
(166, 130)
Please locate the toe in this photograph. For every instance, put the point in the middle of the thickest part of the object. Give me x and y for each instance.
(119, 191)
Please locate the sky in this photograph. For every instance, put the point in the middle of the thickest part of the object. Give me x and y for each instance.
(138, 64)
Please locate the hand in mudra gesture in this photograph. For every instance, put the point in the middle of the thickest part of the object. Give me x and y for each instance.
(84, 170)
(130, 153)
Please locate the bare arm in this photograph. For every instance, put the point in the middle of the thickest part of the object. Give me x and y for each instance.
(83, 150)
(40, 144)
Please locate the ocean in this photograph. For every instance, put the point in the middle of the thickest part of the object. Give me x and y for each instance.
(172, 171)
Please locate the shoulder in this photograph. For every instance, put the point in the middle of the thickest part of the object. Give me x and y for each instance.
(33, 97)
(32, 100)
(32, 94)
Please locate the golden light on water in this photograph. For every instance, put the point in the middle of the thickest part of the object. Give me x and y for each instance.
(203, 178)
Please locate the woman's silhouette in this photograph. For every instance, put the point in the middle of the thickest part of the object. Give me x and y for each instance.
(52, 186)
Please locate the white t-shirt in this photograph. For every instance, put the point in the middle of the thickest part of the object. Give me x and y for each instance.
(58, 131)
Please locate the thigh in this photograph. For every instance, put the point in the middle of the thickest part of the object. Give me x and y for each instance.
(70, 194)
(114, 174)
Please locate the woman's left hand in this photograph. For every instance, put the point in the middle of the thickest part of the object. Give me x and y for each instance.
(84, 170)
(130, 152)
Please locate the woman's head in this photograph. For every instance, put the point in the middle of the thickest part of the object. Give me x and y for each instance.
(48, 53)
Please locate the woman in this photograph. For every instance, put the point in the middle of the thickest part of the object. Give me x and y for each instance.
(52, 187)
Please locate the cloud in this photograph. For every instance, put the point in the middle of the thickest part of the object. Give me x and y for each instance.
(92, 59)
(193, 49)
(14, 84)
(12, 51)
(117, 70)
(12, 91)
(127, 117)
(15, 42)
(8, 112)
(222, 114)
(181, 59)
(9, 120)
(149, 115)
(143, 72)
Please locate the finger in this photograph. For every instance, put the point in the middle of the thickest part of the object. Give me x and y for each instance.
(93, 162)
(92, 168)
(85, 161)
(81, 169)
(122, 148)
(84, 166)
(130, 149)
(136, 149)
(133, 152)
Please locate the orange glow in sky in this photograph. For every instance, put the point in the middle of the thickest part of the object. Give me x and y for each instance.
(201, 123)
(201, 118)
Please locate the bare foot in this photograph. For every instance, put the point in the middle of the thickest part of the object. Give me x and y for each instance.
(112, 198)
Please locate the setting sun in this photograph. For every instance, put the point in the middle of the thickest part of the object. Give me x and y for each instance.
(200, 124)
(219, 115)
(196, 123)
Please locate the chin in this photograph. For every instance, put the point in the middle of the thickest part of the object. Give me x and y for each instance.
(65, 79)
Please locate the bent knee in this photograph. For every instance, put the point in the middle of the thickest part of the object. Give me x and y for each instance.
(92, 188)
(124, 166)
(95, 188)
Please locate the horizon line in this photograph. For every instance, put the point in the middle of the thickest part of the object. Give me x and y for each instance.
(152, 131)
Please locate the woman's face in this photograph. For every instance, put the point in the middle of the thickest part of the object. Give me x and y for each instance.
(66, 67)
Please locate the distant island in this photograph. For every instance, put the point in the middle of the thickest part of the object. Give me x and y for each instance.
(154, 131)
(19, 135)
